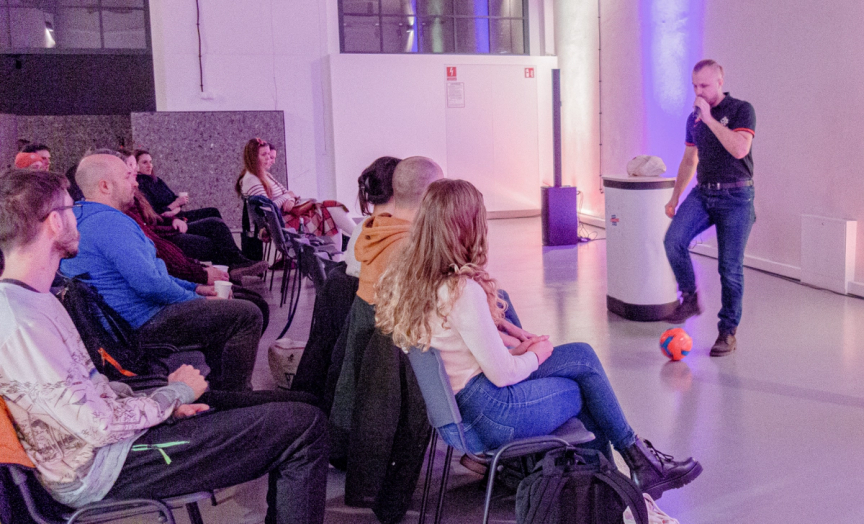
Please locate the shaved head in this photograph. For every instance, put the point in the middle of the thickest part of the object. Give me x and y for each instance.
(106, 179)
(411, 178)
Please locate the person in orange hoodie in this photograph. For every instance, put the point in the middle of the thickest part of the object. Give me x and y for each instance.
(369, 375)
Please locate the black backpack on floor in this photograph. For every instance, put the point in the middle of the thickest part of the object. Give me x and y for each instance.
(565, 489)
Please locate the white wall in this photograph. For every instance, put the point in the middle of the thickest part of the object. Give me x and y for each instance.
(275, 54)
(257, 55)
(396, 105)
(796, 61)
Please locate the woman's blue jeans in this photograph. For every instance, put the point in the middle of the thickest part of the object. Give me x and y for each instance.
(732, 211)
(571, 383)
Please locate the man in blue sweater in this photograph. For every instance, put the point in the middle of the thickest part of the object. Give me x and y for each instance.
(123, 267)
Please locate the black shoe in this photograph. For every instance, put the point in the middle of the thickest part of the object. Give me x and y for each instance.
(689, 307)
(655, 472)
(725, 345)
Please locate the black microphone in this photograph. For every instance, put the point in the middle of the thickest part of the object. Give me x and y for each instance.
(696, 113)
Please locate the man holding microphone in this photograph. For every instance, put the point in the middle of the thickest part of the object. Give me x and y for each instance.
(719, 136)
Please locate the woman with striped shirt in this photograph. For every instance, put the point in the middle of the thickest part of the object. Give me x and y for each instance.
(326, 218)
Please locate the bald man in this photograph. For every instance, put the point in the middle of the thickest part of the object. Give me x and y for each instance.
(382, 235)
(382, 399)
(122, 265)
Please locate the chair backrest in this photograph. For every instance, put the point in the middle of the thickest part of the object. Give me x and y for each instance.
(435, 387)
(271, 221)
(257, 203)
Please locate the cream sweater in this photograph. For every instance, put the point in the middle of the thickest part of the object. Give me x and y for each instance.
(469, 343)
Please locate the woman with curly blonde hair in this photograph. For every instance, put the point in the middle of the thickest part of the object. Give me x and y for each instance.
(508, 383)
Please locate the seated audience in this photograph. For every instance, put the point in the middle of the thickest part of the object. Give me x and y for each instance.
(122, 266)
(306, 215)
(378, 416)
(79, 429)
(207, 239)
(166, 202)
(43, 151)
(437, 293)
(333, 302)
(375, 195)
(185, 268)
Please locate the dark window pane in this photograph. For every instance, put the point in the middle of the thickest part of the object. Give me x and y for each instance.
(29, 27)
(360, 7)
(472, 7)
(472, 35)
(78, 3)
(435, 7)
(78, 28)
(397, 7)
(507, 37)
(123, 3)
(436, 35)
(124, 29)
(361, 34)
(4, 28)
(398, 35)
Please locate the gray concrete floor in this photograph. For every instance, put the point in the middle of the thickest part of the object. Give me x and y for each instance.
(777, 426)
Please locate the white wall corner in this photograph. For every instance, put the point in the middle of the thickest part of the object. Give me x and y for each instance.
(857, 289)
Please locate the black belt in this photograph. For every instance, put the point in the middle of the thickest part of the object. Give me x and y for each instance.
(726, 185)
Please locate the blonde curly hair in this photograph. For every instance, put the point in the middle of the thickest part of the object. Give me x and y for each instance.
(447, 245)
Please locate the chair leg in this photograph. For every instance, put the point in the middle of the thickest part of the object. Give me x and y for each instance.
(273, 273)
(430, 462)
(194, 513)
(445, 477)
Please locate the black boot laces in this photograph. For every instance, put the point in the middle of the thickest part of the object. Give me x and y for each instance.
(663, 458)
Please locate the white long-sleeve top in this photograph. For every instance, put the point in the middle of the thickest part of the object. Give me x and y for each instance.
(75, 426)
(469, 343)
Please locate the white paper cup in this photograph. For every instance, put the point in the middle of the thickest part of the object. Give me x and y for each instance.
(183, 194)
(224, 269)
(223, 289)
(206, 263)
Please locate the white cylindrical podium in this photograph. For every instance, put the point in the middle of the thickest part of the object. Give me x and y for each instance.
(640, 283)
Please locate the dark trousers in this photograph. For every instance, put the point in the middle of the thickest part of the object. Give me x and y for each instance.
(197, 214)
(220, 449)
(210, 239)
(226, 331)
(732, 211)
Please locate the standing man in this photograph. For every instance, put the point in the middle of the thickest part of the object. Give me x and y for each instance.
(719, 135)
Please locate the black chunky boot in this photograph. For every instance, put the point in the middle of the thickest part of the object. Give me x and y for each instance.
(655, 472)
(689, 307)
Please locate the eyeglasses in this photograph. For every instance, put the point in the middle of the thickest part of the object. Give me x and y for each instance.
(62, 208)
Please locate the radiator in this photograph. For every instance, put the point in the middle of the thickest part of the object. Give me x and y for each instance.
(828, 252)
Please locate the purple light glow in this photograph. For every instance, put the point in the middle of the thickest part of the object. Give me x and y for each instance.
(671, 45)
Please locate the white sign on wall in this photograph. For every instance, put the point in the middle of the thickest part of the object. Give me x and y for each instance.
(455, 94)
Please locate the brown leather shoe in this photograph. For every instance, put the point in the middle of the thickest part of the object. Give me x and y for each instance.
(689, 307)
(472, 465)
(725, 345)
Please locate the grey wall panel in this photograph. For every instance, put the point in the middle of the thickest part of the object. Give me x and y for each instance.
(202, 152)
(70, 136)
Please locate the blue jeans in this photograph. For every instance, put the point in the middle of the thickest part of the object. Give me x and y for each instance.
(732, 211)
(571, 383)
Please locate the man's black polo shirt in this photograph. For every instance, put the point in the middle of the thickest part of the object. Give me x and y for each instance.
(715, 163)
